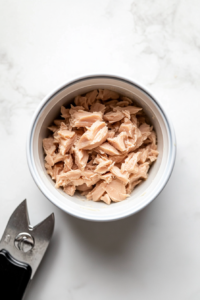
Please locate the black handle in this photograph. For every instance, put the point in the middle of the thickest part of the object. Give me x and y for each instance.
(14, 277)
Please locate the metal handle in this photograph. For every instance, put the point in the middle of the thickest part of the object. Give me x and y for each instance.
(14, 277)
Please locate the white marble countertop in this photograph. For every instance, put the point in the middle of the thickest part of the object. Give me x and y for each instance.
(154, 254)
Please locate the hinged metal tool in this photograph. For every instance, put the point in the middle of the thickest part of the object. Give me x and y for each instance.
(22, 248)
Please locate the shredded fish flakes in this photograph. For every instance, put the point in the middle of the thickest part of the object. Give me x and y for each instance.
(102, 147)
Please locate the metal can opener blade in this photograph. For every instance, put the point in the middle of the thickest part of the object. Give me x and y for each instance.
(22, 248)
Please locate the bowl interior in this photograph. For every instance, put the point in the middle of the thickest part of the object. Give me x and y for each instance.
(78, 205)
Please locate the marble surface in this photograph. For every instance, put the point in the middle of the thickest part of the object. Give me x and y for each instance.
(154, 254)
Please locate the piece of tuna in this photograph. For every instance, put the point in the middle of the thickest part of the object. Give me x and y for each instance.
(131, 185)
(152, 138)
(123, 98)
(74, 109)
(81, 101)
(128, 127)
(65, 178)
(113, 116)
(58, 122)
(111, 134)
(116, 190)
(70, 190)
(66, 143)
(111, 103)
(49, 146)
(104, 166)
(68, 163)
(118, 158)
(54, 158)
(49, 169)
(94, 136)
(107, 94)
(123, 176)
(108, 177)
(132, 109)
(82, 118)
(108, 149)
(65, 112)
(97, 107)
(57, 169)
(143, 133)
(90, 178)
(53, 128)
(81, 158)
(119, 141)
(130, 165)
(105, 198)
(83, 188)
(142, 172)
(97, 191)
(91, 96)
(152, 154)
(144, 155)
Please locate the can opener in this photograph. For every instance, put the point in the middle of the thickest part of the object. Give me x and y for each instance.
(22, 248)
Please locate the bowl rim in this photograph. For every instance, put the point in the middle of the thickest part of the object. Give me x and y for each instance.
(47, 98)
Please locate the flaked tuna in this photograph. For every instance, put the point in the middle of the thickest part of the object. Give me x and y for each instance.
(81, 101)
(81, 158)
(119, 141)
(96, 193)
(57, 169)
(128, 127)
(103, 147)
(132, 109)
(54, 158)
(53, 128)
(49, 146)
(130, 144)
(48, 169)
(108, 149)
(123, 176)
(105, 198)
(83, 188)
(142, 133)
(118, 158)
(131, 185)
(108, 177)
(68, 163)
(152, 154)
(128, 100)
(141, 173)
(97, 107)
(152, 138)
(64, 179)
(104, 166)
(113, 116)
(65, 112)
(130, 165)
(58, 122)
(66, 143)
(82, 118)
(116, 190)
(90, 178)
(111, 103)
(94, 136)
(64, 132)
(91, 97)
(107, 94)
(144, 154)
(111, 134)
(70, 190)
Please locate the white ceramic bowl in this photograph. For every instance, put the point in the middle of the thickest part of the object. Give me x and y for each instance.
(77, 205)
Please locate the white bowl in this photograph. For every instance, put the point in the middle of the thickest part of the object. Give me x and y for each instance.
(77, 205)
